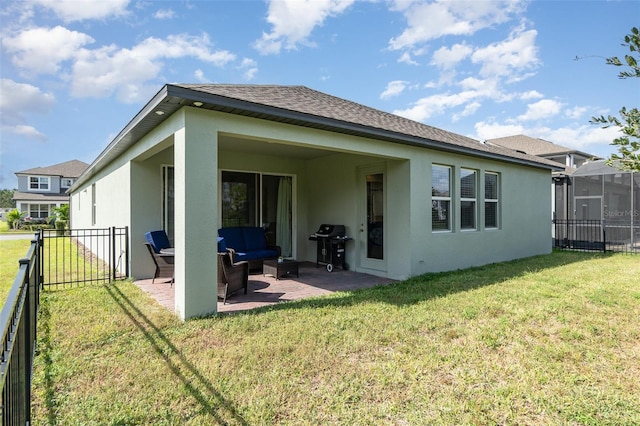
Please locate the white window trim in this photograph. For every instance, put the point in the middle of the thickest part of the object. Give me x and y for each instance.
(64, 184)
(39, 189)
(474, 200)
(441, 198)
(494, 200)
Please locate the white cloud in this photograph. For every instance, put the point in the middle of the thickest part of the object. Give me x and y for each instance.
(164, 14)
(468, 110)
(101, 72)
(407, 59)
(492, 130)
(575, 112)
(293, 21)
(436, 104)
(446, 57)
(431, 20)
(587, 138)
(199, 75)
(250, 68)
(75, 10)
(542, 109)
(531, 94)
(590, 139)
(509, 57)
(17, 100)
(394, 88)
(18, 97)
(25, 130)
(41, 50)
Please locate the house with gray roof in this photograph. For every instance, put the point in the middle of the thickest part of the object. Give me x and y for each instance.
(571, 158)
(197, 158)
(42, 189)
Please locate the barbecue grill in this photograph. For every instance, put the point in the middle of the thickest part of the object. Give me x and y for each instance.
(331, 240)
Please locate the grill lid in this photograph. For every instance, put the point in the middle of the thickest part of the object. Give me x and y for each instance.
(330, 231)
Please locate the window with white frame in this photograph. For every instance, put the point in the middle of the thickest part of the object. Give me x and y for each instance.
(468, 196)
(491, 198)
(38, 211)
(39, 183)
(440, 198)
(66, 182)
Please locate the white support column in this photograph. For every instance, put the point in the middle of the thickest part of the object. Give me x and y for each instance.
(196, 193)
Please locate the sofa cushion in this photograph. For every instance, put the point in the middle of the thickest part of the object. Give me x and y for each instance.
(255, 254)
(233, 238)
(222, 245)
(158, 240)
(254, 239)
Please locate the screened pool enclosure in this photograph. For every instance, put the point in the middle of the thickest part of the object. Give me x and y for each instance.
(602, 195)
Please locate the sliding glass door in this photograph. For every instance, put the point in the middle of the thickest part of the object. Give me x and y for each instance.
(256, 199)
(247, 199)
(168, 201)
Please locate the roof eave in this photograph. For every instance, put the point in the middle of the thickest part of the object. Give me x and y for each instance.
(243, 107)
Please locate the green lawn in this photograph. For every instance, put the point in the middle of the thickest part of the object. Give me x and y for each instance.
(10, 253)
(547, 340)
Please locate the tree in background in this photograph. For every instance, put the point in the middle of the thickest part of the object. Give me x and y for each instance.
(628, 157)
(6, 198)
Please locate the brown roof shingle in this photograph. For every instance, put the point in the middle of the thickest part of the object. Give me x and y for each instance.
(70, 169)
(301, 99)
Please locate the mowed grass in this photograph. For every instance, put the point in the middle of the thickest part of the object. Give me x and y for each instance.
(64, 262)
(552, 339)
(10, 253)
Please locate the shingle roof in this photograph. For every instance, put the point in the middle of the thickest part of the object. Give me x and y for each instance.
(300, 106)
(303, 100)
(533, 146)
(70, 169)
(31, 196)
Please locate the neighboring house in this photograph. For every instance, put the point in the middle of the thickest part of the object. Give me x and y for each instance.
(4, 211)
(414, 198)
(588, 189)
(42, 189)
(571, 158)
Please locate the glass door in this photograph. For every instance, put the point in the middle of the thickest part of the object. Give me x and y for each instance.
(255, 199)
(372, 218)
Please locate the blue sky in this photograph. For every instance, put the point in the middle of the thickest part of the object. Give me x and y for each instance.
(73, 73)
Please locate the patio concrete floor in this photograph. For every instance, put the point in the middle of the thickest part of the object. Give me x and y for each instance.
(265, 290)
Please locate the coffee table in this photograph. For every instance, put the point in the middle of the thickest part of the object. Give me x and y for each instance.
(279, 269)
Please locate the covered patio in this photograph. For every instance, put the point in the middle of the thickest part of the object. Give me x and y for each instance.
(265, 290)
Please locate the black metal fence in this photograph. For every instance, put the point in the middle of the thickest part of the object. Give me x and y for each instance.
(55, 258)
(18, 320)
(77, 257)
(596, 235)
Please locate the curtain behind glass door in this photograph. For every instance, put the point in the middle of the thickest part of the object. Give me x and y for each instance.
(375, 216)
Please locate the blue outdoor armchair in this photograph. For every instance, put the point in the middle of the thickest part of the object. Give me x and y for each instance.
(156, 242)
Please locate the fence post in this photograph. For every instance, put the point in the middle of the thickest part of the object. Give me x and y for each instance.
(40, 256)
(126, 254)
(28, 332)
(112, 241)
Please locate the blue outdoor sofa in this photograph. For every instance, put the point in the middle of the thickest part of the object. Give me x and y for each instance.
(247, 243)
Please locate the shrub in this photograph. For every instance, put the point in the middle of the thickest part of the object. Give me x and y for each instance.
(14, 218)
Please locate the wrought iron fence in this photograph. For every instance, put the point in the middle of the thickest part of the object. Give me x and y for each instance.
(597, 235)
(76, 257)
(55, 258)
(18, 320)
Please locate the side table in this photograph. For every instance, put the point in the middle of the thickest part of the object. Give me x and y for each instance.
(278, 269)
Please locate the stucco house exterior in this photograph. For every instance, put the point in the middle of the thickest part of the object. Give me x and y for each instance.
(42, 189)
(200, 157)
